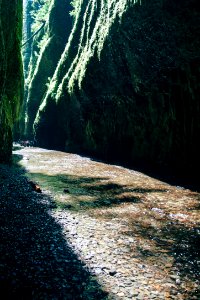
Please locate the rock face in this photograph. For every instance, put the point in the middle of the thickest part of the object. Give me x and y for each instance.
(44, 59)
(127, 84)
(10, 72)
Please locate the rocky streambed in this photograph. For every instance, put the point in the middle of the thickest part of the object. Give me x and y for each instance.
(97, 231)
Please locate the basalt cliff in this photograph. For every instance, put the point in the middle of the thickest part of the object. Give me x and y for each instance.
(118, 80)
(11, 75)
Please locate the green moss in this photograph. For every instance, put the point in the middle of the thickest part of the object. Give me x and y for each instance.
(11, 94)
(57, 30)
(39, 14)
(126, 85)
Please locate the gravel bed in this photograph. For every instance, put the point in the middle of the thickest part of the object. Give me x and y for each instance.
(36, 261)
(47, 252)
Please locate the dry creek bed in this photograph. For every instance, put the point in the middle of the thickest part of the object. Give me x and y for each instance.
(97, 231)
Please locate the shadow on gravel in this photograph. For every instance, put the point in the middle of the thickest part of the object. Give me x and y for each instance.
(89, 192)
(187, 179)
(36, 262)
(16, 158)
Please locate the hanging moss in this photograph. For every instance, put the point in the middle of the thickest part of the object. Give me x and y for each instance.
(52, 42)
(126, 85)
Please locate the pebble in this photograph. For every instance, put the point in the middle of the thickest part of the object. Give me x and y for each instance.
(112, 272)
(121, 294)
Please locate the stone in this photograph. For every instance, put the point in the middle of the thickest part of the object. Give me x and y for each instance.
(120, 294)
(112, 272)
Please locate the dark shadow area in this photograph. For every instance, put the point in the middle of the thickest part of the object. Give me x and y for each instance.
(16, 158)
(185, 178)
(108, 202)
(106, 187)
(80, 180)
(117, 189)
(36, 262)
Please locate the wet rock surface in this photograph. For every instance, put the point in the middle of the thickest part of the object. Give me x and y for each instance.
(115, 234)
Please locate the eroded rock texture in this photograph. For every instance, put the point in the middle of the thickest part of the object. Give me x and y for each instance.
(10, 72)
(127, 85)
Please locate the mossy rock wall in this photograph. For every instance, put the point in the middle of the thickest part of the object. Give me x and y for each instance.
(11, 76)
(42, 66)
(127, 85)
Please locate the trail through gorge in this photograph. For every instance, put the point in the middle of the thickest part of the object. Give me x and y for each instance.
(96, 231)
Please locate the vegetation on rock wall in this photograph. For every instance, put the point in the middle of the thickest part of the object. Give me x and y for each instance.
(11, 83)
(126, 86)
(50, 44)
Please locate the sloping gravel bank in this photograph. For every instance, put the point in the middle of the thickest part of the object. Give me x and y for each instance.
(36, 262)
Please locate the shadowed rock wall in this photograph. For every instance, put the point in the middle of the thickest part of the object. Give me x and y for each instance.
(55, 34)
(127, 85)
(11, 83)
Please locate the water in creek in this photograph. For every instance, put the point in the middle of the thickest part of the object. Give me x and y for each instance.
(150, 229)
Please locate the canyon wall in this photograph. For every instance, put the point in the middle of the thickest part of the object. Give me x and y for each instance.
(126, 86)
(46, 49)
(11, 75)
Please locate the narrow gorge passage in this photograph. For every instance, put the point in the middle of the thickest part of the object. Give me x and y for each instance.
(137, 236)
(116, 80)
